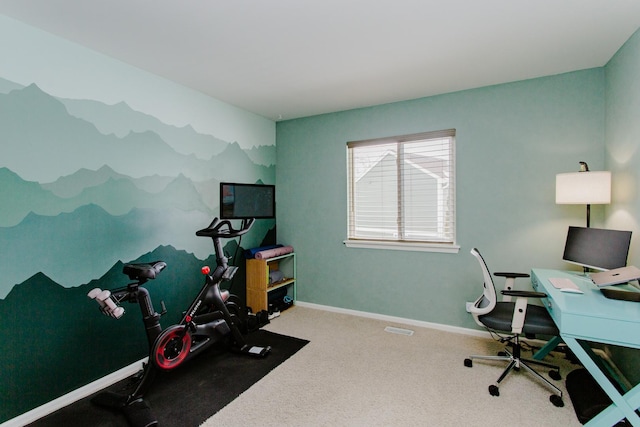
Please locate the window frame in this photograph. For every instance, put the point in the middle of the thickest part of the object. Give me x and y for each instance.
(448, 246)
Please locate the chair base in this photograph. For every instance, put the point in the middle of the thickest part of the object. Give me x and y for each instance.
(516, 363)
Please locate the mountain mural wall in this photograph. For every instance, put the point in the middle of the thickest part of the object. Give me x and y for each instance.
(84, 187)
(39, 123)
(166, 195)
(60, 340)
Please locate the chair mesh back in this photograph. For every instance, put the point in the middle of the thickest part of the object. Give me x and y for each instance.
(489, 297)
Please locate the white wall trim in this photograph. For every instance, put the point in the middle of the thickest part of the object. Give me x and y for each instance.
(89, 389)
(75, 395)
(453, 329)
(412, 322)
(448, 248)
(402, 320)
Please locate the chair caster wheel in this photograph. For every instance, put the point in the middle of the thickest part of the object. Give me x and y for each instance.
(494, 391)
(556, 400)
(555, 375)
(468, 363)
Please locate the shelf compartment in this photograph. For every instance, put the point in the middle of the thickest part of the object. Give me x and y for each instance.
(258, 286)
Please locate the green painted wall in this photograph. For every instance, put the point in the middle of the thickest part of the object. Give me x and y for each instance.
(100, 164)
(511, 141)
(622, 138)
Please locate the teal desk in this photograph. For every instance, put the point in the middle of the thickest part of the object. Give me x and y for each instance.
(590, 317)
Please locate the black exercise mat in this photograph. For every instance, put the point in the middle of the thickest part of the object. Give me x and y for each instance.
(192, 393)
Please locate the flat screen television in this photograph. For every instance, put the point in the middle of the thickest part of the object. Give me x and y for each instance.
(243, 201)
(597, 248)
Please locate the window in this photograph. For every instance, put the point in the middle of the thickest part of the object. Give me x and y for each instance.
(402, 192)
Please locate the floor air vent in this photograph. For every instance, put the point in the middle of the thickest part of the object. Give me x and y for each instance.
(399, 331)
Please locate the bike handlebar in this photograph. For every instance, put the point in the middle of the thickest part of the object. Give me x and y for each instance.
(108, 306)
(217, 229)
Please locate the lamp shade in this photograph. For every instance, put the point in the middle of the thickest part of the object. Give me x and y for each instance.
(582, 188)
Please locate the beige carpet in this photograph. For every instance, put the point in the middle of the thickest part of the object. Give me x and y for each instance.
(353, 373)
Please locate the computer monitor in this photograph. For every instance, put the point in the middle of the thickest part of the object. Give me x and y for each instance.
(244, 201)
(597, 248)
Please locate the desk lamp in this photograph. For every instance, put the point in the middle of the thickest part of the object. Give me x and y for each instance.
(583, 187)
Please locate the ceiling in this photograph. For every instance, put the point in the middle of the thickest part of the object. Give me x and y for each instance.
(285, 59)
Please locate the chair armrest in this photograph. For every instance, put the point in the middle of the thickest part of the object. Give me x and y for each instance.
(514, 275)
(520, 307)
(524, 294)
(510, 282)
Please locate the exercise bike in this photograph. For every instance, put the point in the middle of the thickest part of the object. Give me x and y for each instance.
(212, 317)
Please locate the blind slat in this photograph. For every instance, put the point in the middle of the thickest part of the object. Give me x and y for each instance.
(403, 188)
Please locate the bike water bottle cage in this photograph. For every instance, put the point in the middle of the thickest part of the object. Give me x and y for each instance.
(223, 229)
(145, 271)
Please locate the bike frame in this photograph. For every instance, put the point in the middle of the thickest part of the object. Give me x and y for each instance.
(197, 330)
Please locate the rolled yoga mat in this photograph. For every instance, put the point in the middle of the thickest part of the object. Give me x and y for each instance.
(251, 253)
(271, 253)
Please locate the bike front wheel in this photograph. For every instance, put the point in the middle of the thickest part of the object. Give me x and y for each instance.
(172, 347)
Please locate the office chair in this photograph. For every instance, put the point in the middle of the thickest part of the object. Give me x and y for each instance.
(516, 318)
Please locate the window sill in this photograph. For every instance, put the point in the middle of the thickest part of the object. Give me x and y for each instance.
(449, 248)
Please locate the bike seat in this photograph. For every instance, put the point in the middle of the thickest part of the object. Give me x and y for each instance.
(144, 271)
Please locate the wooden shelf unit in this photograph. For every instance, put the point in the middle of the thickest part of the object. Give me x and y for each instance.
(258, 286)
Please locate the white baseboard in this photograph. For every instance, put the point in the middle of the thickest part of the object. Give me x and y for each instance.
(454, 329)
(87, 390)
(412, 322)
(394, 319)
(75, 395)
(127, 371)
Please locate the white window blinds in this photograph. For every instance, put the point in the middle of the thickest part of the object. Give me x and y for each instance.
(403, 188)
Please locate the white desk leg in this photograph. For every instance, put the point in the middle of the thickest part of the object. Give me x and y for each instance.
(620, 407)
